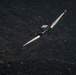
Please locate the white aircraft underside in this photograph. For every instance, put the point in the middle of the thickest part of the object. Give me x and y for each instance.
(46, 27)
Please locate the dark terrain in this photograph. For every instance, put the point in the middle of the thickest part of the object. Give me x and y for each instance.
(52, 54)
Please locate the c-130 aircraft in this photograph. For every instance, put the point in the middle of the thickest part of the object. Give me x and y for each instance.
(46, 28)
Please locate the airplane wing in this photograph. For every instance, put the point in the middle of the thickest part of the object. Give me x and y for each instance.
(37, 37)
(56, 21)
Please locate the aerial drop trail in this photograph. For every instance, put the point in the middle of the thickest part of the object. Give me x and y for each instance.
(46, 28)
